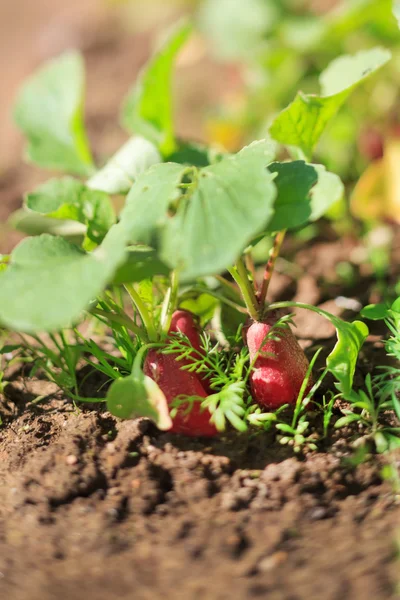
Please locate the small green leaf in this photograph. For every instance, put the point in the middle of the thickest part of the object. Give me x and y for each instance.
(227, 405)
(292, 205)
(347, 71)
(375, 312)
(203, 306)
(49, 112)
(51, 281)
(147, 110)
(146, 207)
(302, 123)
(131, 397)
(118, 175)
(140, 263)
(396, 306)
(69, 200)
(341, 362)
(328, 190)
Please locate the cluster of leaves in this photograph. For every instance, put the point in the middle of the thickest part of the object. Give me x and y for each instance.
(190, 214)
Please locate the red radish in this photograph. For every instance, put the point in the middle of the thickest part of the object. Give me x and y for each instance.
(184, 322)
(165, 370)
(276, 379)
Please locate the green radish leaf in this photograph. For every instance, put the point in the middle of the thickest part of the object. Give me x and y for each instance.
(302, 123)
(375, 312)
(305, 193)
(141, 262)
(226, 205)
(341, 362)
(51, 281)
(130, 397)
(49, 111)
(292, 205)
(147, 110)
(328, 190)
(118, 175)
(146, 207)
(69, 200)
(231, 201)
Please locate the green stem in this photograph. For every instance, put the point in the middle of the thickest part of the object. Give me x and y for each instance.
(269, 269)
(121, 320)
(144, 313)
(239, 274)
(171, 299)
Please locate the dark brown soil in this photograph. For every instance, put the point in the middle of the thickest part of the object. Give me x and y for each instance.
(94, 508)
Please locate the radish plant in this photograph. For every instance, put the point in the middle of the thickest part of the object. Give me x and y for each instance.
(172, 276)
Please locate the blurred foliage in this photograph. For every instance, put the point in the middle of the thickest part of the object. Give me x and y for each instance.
(284, 45)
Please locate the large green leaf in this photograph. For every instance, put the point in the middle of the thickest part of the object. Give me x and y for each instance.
(341, 362)
(118, 175)
(147, 110)
(50, 281)
(138, 396)
(303, 121)
(226, 204)
(69, 199)
(231, 202)
(49, 112)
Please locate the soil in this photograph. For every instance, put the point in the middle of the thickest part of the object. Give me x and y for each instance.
(93, 508)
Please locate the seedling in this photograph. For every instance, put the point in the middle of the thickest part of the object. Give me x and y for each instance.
(184, 240)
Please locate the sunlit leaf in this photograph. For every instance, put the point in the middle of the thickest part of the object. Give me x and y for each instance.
(305, 193)
(302, 123)
(202, 231)
(70, 200)
(231, 202)
(49, 112)
(375, 312)
(51, 281)
(147, 110)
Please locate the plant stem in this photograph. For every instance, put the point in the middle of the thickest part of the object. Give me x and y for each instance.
(269, 269)
(171, 300)
(144, 313)
(239, 274)
(251, 268)
(122, 320)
